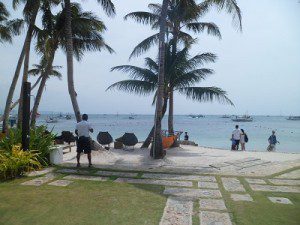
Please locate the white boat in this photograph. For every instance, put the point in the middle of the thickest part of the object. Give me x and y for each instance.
(293, 118)
(51, 120)
(244, 118)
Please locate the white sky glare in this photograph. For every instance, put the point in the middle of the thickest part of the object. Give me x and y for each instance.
(259, 68)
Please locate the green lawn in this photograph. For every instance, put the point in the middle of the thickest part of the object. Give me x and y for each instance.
(92, 202)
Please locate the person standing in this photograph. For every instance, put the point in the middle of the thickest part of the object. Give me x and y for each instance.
(236, 136)
(243, 140)
(186, 136)
(83, 130)
(272, 142)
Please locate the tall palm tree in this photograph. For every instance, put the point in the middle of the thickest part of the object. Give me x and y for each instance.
(109, 9)
(181, 75)
(86, 36)
(30, 12)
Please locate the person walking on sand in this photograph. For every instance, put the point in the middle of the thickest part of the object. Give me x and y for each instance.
(83, 130)
(272, 142)
(236, 136)
(243, 140)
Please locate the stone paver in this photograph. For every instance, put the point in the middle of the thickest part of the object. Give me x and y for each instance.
(73, 171)
(189, 193)
(115, 173)
(166, 176)
(232, 185)
(270, 188)
(155, 182)
(40, 180)
(280, 200)
(177, 212)
(241, 197)
(255, 181)
(211, 185)
(284, 182)
(215, 204)
(40, 172)
(61, 183)
(214, 218)
(83, 177)
(295, 174)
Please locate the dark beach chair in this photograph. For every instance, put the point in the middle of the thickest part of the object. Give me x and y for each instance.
(128, 139)
(104, 138)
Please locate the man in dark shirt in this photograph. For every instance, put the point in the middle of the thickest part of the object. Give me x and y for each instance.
(272, 142)
(186, 136)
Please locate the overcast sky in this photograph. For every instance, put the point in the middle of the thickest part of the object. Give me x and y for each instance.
(259, 68)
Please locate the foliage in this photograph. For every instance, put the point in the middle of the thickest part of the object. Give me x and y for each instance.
(15, 162)
(40, 140)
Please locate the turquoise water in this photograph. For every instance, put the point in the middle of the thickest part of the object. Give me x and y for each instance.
(210, 131)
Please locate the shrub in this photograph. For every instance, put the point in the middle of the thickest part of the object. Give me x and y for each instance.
(41, 141)
(17, 162)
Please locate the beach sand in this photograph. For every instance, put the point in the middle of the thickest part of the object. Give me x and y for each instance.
(192, 160)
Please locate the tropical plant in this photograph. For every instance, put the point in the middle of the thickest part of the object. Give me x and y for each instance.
(41, 141)
(86, 31)
(109, 9)
(181, 74)
(16, 162)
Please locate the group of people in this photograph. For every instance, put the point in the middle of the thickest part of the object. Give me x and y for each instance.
(240, 137)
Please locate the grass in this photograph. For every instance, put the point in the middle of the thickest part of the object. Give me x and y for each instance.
(92, 202)
(82, 202)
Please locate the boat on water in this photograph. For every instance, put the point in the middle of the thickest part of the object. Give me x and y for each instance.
(68, 117)
(293, 118)
(225, 116)
(51, 120)
(244, 118)
(196, 116)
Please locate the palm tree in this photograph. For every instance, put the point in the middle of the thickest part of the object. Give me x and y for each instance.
(30, 12)
(86, 36)
(181, 75)
(42, 70)
(109, 9)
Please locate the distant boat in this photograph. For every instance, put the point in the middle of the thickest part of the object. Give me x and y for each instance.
(51, 120)
(225, 116)
(244, 118)
(196, 116)
(131, 117)
(293, 118)
(68, 117)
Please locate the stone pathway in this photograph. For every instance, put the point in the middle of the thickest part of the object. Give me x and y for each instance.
(61, 183)
(284, 182)
(241, 197)
(40, 172)
(270, 188)
(83, 177)
(73, 171)
(255, 181)
(189, 193)
(232, 185)
(40, 180)
(214, 218)
(177, 212)
(212, 204)
(156, 182)
(280, 200)
(118, 174)
(211, 185)
(166, 176)
(295, 174)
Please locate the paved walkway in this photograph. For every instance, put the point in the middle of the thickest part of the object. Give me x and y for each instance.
(182, 191)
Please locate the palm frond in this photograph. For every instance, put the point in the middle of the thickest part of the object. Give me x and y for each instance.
(137, 73)
(206, 94)
(190, 78)
(142, 17)
(138, 87)
(144, 45)
(108, 7)
(211, 28)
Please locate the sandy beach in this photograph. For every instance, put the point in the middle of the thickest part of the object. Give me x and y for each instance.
(191, 159)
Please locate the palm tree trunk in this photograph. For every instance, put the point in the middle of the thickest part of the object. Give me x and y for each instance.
(12, 88)
(27, 56)
(171, 113)
(17, 102)
(45, 76)
(147, 142)
(157, 149)
(69, 46)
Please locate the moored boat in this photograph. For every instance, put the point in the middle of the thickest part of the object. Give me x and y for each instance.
(293, 118)
(244, 118)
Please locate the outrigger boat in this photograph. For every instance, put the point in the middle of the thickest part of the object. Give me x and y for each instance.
(293, 118)
(51, 120)
(244, 118)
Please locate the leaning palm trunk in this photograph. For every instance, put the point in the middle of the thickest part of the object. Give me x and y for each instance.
(38, 97)
(147, 142)
(18, 101)
(157, 149)
(171, 113)
(69, 46)
(8, 106)
(27, 55)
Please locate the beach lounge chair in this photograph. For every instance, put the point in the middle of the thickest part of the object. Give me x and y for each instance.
(128, 139)
(104, 138)
(167, 142)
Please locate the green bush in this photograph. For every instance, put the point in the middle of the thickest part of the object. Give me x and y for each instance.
(16, 162)
(41, 141)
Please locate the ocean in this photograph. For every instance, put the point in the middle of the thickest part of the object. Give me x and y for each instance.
(209, 131)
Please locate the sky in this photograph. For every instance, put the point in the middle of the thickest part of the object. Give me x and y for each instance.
(258, 67)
